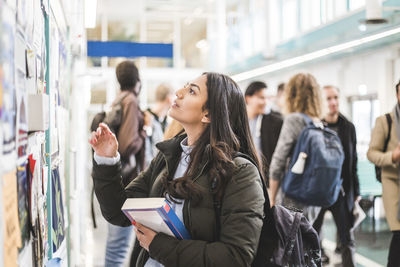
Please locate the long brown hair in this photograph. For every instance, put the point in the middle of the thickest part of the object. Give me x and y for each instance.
(227, 133)
(303, 94)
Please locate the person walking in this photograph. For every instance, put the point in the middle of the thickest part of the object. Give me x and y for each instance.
(265, 128)
(131, 140)
(342, 210)
(389, 160)
(302, 95)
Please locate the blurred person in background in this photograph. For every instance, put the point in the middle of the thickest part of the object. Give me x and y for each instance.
(156, 120)
(278, 101)
(389, 160)
(302, 95)
(265, 128)
(131, 139)
(342, 210)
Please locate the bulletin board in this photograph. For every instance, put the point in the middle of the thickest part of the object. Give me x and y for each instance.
(33, 83)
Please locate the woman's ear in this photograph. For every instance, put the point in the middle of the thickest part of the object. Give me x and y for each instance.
(206, 118)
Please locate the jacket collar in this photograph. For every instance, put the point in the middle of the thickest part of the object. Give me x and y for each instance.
(171, 150)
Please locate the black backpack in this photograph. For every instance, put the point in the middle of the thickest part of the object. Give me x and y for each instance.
(287, 237)
(112, 118)
(378, 170)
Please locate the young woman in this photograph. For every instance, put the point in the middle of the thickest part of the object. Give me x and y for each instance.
(199, 167)
(302, 95)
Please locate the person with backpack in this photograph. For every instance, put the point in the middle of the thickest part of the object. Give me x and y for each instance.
(303, 104)
(265, 128)
(156, 120)
(389, 159)
(131, 140)
(342, 210)
(216, 192)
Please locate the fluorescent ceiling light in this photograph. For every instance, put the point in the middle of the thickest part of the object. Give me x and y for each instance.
(90, 13)
(311, 56)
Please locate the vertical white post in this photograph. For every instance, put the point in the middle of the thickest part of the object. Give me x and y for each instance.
(221, 34)
(104, 37)
(177, 53)
(143, 60)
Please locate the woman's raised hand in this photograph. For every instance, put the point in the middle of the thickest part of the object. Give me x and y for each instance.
(104, 142)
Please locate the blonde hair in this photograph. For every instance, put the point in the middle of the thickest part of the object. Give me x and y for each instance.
(303, 94)
(163, 91)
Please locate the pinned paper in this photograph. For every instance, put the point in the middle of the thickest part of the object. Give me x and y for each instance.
(12, 232)
(30, 63)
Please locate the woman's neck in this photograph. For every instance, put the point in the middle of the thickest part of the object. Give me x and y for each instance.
(194, 132)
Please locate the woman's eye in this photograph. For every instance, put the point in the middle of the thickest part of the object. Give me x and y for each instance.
(191, 91)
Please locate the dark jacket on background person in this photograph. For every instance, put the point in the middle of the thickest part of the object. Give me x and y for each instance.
(271, 125)
(347, 135)
(241, 217)
(131, 136)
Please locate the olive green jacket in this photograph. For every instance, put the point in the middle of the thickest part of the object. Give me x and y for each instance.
(240, 220)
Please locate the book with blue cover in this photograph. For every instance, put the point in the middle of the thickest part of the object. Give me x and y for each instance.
(156, 214)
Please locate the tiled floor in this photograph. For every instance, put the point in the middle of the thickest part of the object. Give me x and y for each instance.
(371, 246)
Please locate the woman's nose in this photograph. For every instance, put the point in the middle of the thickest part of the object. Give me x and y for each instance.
(179, 93)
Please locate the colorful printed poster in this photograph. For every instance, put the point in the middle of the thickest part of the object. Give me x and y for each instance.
(8, 109)
(37, 206)
(57, 211)
(21, 94)
(22, 193)
(22, 115)
(12, 233)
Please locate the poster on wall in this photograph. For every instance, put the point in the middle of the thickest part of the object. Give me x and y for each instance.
(22, 13)
(57, 212)
(21, 95)
(12, 233)
(22, 193)
(8, 109)
(36, 206)
(38, 26)
(29, 20)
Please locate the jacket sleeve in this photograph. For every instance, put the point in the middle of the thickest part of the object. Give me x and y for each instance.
(130, 138)
(355, 160)
(291, 129)
(241, 222)
(111, 193)
(375, 152)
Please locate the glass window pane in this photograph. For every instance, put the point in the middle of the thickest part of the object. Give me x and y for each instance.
(289, 21)
(340, 7)
(310, 14)
(354, 4)
(273, 22)
(315, 6)
(361, 111)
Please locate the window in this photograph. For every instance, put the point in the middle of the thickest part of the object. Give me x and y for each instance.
(289, 18)
(354, 4)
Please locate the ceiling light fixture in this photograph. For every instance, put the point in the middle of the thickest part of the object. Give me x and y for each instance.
(311, 56)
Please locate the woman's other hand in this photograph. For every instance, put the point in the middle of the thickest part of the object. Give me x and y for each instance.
(144, 235)
(104, 142)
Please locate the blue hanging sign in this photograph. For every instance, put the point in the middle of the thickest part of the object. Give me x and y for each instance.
(128, 49)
